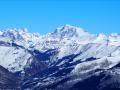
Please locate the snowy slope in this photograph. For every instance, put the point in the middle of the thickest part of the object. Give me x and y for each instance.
(13, 58)
(17, 59)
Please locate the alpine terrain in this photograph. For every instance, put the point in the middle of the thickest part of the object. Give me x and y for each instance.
(69, 58)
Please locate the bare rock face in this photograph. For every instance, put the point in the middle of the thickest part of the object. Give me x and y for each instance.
(8, 80)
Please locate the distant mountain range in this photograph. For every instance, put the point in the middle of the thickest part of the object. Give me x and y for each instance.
(67, 59)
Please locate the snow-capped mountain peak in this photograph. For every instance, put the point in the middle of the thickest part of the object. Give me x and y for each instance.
(69, 31)
(20, 37)
(14, 33)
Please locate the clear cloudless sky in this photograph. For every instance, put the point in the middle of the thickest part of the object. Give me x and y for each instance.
(43, 16)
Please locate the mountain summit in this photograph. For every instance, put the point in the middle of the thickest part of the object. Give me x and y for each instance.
(67, 59)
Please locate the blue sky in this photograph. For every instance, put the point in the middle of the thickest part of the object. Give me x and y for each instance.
(43, 16)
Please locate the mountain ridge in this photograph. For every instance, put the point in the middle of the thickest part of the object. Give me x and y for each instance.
(67, 57)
